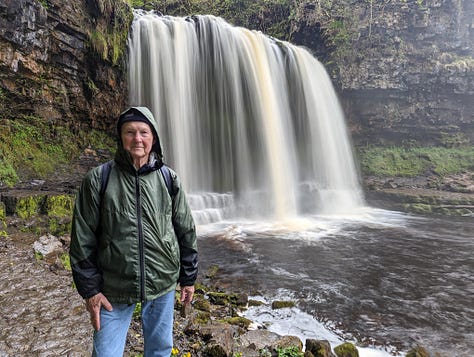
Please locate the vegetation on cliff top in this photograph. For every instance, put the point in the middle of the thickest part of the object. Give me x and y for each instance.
(273, 17)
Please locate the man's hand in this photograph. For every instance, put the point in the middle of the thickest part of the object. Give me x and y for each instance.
(187, 293)
(93, 305)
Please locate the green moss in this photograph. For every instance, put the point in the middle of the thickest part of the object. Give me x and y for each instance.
(202, 317)
(34, 148)
(239, 321)
(65, 261)
(417, 352)
(59, 205)
(293, 351)
(282, 304)
(109, 38)
(29, 206)
(59, 211)
(8, 175)
(3, 215)
(347, 349)
(410, 162)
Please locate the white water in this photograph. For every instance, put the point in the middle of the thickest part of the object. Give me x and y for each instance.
(252, 125)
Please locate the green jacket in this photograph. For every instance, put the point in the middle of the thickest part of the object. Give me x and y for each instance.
(136, 242)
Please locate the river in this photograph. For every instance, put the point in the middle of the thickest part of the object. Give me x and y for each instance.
(386, 280)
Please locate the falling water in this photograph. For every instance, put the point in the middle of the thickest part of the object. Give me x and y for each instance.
(251, 124)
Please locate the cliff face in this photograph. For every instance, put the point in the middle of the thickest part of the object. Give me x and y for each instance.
(405, 68)
(48, 67)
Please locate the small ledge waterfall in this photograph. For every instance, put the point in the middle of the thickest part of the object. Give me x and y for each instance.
(252, 125)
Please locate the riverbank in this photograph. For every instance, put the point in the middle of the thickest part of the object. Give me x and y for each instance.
(46, 316)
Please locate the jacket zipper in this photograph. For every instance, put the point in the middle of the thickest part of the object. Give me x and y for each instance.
(141, 249)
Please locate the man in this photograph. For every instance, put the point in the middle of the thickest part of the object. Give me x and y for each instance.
(133, 243)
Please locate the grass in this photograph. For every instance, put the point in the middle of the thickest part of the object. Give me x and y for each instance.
(411, 162)
(33, 148)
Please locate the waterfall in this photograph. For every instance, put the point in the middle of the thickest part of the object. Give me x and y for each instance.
(252, 125)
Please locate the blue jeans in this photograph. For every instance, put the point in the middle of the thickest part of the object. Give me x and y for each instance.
(157, 324)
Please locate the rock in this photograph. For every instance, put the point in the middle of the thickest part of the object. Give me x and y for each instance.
(346, 349)
(220, 339)
(282, 304)
(319, 348)
(418, 352)
(48, 245)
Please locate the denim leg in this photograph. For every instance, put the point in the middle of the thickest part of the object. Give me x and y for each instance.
(157, 320)
(109, 341)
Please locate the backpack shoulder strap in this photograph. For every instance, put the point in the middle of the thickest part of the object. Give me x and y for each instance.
(104, 177)
(165, 172)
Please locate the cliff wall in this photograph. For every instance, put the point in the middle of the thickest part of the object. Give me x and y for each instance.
(404, 68)
(57, 61)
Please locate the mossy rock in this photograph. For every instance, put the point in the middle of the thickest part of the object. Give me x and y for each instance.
(347, 349)
(278, 304)
(319, 348)
(202, 317)
(255, 302)
(212, 271)
(29, 206)
(223, 299)
(418, 352)
(59, 205)
(202, 304)
(239, 321)
(3, 216)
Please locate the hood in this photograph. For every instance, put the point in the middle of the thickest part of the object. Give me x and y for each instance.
(145, 115)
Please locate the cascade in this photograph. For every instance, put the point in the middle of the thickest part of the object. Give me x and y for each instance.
(252, 125)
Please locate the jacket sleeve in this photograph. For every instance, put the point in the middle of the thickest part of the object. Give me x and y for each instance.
(83, 251)
(185, 230)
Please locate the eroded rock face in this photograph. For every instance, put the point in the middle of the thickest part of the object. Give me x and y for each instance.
(49, 69)
(405, 69)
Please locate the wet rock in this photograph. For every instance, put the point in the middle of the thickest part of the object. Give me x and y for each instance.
(418, 352)
(347, 349)
(319, 348)
(282, 304)
(48, 245)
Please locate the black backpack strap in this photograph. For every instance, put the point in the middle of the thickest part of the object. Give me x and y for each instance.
(104, 177)
(165, 172)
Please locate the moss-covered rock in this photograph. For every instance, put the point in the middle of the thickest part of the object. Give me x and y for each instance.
(29, 206)
(59, 211)
(3, 224)
(347, 349)
(282, 304)
(418, 352)
(319, 348)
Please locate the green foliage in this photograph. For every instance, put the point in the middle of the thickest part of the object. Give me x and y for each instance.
(8, 174)
(39, 256)
(273, 17)
(65, 261)
(109, 38)
(44, 3)
(33, 147)
(137, 312)
(292, 351)
(29, 206)
(99, 44)
(410, 162)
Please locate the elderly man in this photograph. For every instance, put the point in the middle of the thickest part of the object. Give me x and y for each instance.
(133, 241)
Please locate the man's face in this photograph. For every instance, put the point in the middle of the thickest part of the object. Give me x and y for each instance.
(137, 139)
